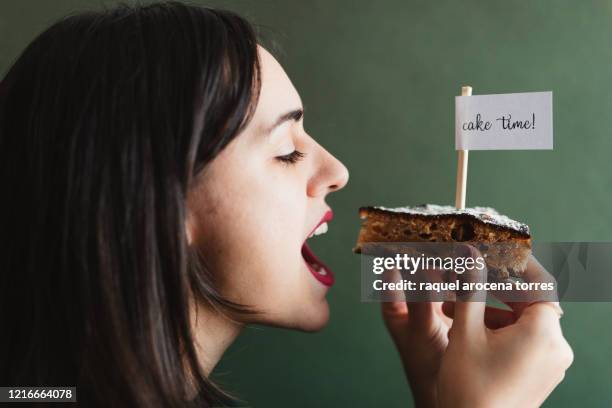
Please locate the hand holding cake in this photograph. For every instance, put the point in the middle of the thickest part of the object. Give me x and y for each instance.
(467, 354)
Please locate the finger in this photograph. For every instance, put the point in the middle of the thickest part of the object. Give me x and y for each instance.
(518, 299)
(447, 321)
(543, 312)
(494, 318)
(470, 306)
(519, 307)
(394, 311)
(392, 276)
(535, 272)
(440, 276)
(422, 315)
(395, 316)
(424, 278)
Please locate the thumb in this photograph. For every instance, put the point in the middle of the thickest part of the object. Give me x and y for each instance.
(470, 303)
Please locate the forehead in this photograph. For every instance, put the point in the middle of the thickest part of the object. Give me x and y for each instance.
(277, 94)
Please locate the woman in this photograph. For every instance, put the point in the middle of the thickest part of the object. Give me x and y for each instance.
(159, 192)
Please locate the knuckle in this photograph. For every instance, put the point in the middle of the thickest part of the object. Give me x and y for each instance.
(561, 351)
(561, 377)
(568, 354)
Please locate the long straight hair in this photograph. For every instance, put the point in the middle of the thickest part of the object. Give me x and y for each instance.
(106, 121)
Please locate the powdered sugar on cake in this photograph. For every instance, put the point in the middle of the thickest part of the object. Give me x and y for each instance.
(485, 214)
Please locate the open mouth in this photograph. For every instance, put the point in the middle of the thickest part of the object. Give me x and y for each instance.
(318, 269)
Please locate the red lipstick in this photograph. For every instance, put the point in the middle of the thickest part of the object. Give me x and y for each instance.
(318, 269)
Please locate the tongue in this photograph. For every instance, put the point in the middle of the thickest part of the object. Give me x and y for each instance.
(317, 268)
(313, 261)
(320, 270)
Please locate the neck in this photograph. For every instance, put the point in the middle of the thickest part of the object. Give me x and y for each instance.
(213, 333)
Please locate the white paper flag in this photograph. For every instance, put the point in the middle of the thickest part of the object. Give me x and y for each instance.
(517, 121)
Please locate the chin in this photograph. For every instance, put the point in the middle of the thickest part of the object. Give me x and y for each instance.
(308, 320)
(315, 319)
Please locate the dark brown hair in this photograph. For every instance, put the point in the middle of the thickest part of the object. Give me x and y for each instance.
(105, 121)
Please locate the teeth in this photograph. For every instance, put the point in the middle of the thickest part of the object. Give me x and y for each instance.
(321, 270)
(321, 229)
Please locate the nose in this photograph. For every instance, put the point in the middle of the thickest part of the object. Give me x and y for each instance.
(330, 174)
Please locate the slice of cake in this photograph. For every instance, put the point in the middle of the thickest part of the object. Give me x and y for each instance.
(504, 243)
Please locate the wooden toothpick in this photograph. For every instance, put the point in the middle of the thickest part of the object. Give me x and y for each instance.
(462, 165)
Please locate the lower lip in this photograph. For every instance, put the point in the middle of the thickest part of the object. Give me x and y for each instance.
(309, 259)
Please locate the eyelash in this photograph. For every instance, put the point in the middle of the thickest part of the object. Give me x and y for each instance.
(292, 157)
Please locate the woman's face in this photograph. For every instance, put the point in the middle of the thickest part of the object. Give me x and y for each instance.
(256, 204)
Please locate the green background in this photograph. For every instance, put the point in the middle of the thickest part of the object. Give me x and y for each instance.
(378, 81)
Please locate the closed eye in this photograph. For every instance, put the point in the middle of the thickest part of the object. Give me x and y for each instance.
(292, 157)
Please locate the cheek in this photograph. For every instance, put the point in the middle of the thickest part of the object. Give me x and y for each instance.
(250, 231)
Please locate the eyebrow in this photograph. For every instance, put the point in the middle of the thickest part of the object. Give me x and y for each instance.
(295, 115)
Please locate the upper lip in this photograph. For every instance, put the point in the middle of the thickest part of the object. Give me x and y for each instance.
(328, 216)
